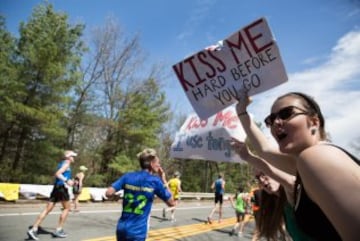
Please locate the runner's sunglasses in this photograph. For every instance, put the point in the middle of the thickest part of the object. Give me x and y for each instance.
(285, 113)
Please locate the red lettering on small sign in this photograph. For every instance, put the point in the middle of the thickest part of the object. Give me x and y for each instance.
(195, 123)
(229, 119)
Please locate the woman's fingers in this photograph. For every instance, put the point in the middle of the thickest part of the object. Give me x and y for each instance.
(243, 102)
(236, 143)
(240, 148)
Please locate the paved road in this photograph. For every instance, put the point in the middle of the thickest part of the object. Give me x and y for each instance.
(97, 222)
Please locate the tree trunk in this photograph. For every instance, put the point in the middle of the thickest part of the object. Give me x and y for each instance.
(20, 148)
(5, 138)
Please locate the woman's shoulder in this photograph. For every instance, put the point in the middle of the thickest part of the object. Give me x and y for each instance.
(320, 146)
(324, 155)
(324, 150)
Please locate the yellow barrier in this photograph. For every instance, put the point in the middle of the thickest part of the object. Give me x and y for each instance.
(10, 191)
(85, 194)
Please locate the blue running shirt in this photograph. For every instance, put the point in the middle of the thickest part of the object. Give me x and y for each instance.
(139, 190)
(66, 174)
(218, 186)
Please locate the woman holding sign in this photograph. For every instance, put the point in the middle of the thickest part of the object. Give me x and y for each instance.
(298, 126)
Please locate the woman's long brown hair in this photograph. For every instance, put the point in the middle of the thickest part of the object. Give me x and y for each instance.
(271, 220)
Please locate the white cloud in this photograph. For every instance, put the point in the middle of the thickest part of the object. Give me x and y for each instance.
(335, 85)
(198, 14)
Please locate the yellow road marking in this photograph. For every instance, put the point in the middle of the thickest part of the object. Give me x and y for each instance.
(174, 233)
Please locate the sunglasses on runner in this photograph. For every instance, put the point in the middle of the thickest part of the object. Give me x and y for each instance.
(285, 113)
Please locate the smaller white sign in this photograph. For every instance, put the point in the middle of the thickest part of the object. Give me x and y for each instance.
(209, 139)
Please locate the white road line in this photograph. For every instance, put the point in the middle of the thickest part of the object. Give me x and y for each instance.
(96, 211)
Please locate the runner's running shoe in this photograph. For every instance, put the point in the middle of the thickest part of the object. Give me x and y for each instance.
(60, 233)
(32, 234)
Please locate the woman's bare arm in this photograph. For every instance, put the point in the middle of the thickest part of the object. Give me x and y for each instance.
(262, 146)
(285, 179)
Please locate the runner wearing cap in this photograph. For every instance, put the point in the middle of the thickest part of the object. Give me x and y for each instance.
(78, 185)
(59, 194)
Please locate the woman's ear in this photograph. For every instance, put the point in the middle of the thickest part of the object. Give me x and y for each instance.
(313, 121)
(314, 124)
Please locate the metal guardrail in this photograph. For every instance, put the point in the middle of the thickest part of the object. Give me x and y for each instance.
(200, 195)
(196, 195)
(13, 192)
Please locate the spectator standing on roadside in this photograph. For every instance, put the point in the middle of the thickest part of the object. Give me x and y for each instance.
(298, 126)
(277, 196)
(59, 193)
(255, 206)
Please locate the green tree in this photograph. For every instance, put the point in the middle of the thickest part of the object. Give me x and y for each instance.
(8, 91)
(126, 110)
(140, 125)
(46, 60)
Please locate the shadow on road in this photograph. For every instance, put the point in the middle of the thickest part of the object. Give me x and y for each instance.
(200, 220)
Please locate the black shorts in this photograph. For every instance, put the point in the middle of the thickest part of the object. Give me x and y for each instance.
(219, 198)
(59, 193)
(239, 214)
(76, 189)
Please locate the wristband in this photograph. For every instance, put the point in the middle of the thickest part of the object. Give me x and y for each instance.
(243, 113)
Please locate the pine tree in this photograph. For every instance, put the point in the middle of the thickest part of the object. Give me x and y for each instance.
(46, 61)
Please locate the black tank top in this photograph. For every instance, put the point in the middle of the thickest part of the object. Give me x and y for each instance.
(309, 217)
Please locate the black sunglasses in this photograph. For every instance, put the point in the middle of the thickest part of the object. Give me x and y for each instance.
(284, 114)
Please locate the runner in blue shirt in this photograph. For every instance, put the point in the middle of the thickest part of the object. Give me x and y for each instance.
(219, 186)
(140, 188)
(59, 193)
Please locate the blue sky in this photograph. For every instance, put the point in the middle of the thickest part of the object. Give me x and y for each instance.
(319, 42)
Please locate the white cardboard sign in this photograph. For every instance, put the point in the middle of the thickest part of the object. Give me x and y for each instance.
(247, 61)
(209, 139)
